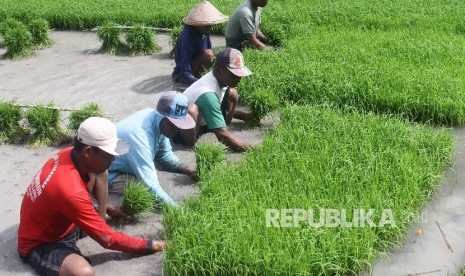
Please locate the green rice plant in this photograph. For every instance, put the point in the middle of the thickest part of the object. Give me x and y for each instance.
(11, 129)
(408, 72)
(9, 23)
(39, 30)
(261, 103)
(174, 33)
(275, 33)
(78, 116)
(208, 156)
(137, 199)
(110, 35)
(44, 121)
(318, 158)
(141, 41)
(18, 43)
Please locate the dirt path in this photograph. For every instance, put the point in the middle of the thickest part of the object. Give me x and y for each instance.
(72, 74)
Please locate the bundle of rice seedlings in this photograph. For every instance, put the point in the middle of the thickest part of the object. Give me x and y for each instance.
(207, 156)
(109, 34)
(18, 42)
(137, 199)
(141, 41)
(78, 116)
(276, 34)
(10, 126)
(261, 103)
(39, 30)
(44, 122)
(7, 24)
(174, 33)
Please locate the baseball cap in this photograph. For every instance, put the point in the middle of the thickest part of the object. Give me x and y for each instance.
(233, 60)
(173, 105)
(101, 133)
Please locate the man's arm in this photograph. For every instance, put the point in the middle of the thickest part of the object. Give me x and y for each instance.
(262, 37)
(230, 140)
(189, 136)
(232, 111)
(254, 41)
(169, 161)
(79, 210)
(100, 191)
(142, 165)
(186, 56)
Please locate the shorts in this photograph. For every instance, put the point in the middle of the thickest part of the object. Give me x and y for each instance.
(47, 259)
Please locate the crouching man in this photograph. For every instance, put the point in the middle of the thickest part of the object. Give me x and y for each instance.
(57, 208)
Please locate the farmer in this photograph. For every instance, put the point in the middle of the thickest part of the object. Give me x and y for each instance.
(147, 132)
(243, 28)
(57, 209)
(193, 46)
(211, 106)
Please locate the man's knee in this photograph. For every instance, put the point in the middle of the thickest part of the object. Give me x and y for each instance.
(233, 95)
(75, 264)
(203, 61)
(208, 54)
(194, 111)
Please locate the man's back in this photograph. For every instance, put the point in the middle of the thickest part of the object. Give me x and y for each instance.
(139, 130)
(44, 207)
(244, 20)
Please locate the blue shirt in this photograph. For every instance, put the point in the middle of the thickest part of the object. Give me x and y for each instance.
(189, 44)
(141, 131)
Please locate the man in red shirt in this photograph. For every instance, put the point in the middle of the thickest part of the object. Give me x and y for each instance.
(57, 208)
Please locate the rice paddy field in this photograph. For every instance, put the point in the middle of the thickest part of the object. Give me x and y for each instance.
(365, 89)
(316, 159)
(398, 57)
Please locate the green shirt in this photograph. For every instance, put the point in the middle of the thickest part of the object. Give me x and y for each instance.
(210, 108)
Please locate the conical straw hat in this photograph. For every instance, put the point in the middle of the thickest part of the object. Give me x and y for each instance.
(204, 14)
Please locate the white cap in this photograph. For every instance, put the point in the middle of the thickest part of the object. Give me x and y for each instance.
(101, 133)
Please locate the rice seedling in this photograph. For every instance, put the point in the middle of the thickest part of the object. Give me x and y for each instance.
(208, 156)
(174, 33)
(18, 43)
(317, 159)
(261, 103)
(137, 199)
(76, 117)
(333, 53)
(110, 35)
(9, 23)
(44, 122)
(141, 41)
(275, 33)
(11, 129)
(39, 30)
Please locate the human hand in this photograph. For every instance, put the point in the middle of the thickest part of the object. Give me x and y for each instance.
(116, 212)
(250, 147)
(158, 246)
(194, 175)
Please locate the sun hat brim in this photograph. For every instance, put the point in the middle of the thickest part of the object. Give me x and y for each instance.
(118, 148)
(240, 72)
(204, 14)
